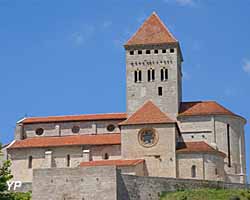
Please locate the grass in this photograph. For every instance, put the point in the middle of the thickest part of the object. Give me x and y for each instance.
(207, 194)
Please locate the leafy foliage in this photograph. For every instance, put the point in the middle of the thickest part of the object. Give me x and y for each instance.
(207, 194)
(5, 176)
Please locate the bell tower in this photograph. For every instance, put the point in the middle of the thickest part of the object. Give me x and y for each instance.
(153, 68)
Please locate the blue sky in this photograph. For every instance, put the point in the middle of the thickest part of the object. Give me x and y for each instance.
(66, 57)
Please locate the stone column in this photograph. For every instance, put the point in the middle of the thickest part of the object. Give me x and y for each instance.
(48, 159)
(86, 155)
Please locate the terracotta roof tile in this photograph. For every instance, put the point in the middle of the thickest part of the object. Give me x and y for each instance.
(149, 113)
(196, 147)
(102, 139)
(89, 117)
(153, 31)
(112, 162)
(203, 108)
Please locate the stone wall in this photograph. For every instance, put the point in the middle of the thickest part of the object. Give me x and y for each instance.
(86, 183)
(107, 183)
(150, 188)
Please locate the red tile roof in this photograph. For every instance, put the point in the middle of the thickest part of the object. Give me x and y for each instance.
(149, 113)
(197, 147)
(153, 31)
(112, 162)
(89, 117)
(100, 139)
(203, 108)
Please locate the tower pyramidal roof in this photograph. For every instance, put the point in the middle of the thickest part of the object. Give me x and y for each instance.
(152, 31)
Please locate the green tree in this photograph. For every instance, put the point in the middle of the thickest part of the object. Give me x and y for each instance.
(5, 174)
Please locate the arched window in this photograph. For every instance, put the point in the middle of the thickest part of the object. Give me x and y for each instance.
(68, 160)
(137, 76)
(151, 75)
(164, 74)
(30, 162)
(193, 171)
(106, 156)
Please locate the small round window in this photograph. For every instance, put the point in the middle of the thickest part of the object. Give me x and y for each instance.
(147, 137)
(39, 131)
(111, 127)
(75, 129)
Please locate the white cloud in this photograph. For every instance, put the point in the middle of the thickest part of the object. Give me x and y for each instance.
(246, 65)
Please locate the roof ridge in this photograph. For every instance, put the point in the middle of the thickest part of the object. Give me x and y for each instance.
(148, 113)
(74, 115)
(152, 31)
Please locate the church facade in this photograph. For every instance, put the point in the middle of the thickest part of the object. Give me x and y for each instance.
(160, 135)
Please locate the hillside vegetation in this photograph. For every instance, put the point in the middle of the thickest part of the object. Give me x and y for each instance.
(208, 194)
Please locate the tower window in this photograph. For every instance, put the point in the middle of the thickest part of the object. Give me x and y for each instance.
(106, 156)
(139, 51)
(131, 52)
(156, 51)
(30, 162)
(164, 74)
(140, 77)
(148, 52)
(171, 50)
(68, 161)
(137, 76)
(164, 51)
(160, 91)
(216, 171)
(193, 171)
(151, 75)
(228, 145)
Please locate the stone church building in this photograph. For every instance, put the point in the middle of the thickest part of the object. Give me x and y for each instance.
(159, 135)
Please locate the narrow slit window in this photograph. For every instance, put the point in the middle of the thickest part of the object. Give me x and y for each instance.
(228, 145)
(149, 75)
(68, 160)
(162, 74)
(160, 92)
(193, 171)
(30, 162)
(153, 74)
(135, 76)
(140, 76)
(166, 74)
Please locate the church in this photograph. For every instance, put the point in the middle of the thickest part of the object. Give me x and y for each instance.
(160, 135)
